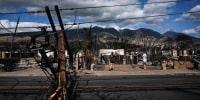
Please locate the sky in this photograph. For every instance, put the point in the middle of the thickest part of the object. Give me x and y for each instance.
(179, 19)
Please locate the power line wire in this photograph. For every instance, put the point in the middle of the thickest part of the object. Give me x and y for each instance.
(7, 29)
(42, 11)
(25, 12)
(115, 20)
(126, 4)
(75, 17)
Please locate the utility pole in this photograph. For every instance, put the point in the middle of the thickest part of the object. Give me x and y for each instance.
(13, 37)
(51, 22)
(65, 89)
(60, 93)
(62, 72)
(65, 36)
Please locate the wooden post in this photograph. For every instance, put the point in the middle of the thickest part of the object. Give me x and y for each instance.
(62, 71)
(2, 54)
(124, 60)
(65, 36)
(77, 63)
(164, 66)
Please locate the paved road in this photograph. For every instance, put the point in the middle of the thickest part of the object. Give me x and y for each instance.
(178, 94)
(23, 82)
(23, 87)
(124, 83)
(168, 81)
(128, 83)
(133, 87)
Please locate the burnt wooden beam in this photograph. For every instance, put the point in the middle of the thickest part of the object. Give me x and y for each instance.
(65, 36)
(62, 68)
(51, 22)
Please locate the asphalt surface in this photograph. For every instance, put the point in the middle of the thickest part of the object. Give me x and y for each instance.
(134, 77)
(17, 84)
(132, 82)
(128, 74)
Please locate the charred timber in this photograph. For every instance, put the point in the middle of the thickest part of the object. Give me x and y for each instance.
(51, 22)
(65, 36)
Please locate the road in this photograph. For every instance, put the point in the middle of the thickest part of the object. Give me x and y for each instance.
(139, 87)
(184, 81)
(176, 86)
(23, 87)
(129, 87)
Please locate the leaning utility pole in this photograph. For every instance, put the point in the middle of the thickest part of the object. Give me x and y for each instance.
(52, 23)
(65, 37)
(13, 37)
(61, 91)
(62, 71)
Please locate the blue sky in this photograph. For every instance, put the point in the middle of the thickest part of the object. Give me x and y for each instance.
(184, 23)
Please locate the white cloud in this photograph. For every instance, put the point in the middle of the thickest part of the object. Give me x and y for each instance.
(98, 13)
(7, 25)
(95, 14)
(156, 9)
(193, 32)
(190, 31)
(108, 25)
(191, 16)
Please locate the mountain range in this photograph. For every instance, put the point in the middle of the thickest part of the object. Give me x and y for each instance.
(74, 34)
